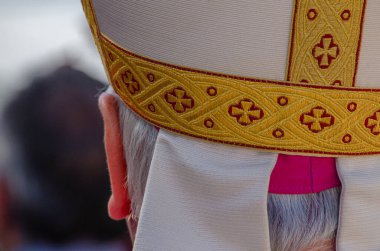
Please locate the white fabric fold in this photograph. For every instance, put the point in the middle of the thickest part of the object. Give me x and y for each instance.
(205, 196)
(359, 228)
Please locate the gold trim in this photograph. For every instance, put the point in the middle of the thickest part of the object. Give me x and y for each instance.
(264, 114)
(325, 41)
(88, 9)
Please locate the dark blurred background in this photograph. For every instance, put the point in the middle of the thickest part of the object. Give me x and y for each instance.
(53, 178)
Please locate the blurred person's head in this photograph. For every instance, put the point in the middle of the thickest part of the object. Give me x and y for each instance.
(56, 175)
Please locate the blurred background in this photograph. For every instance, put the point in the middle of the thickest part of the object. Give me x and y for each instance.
(40, 35)
(53, 179)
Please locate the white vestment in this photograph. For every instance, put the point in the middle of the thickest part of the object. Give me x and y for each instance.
(207, 196)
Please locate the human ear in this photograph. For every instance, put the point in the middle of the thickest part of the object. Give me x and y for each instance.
(119, 205)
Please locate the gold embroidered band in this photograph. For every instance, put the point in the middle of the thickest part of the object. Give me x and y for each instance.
(270, 115)
(325, 41)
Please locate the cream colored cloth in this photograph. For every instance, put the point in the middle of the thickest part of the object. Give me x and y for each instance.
(359, 228)
(185, 205)
(247, 38)
(205, 196)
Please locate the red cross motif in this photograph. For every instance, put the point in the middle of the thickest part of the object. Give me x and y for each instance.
(246, 112)
(373, 123)
(179, 100)
(326, 51)
(130, 82)
(317, 119)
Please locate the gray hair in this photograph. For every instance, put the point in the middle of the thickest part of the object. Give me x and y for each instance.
(303, 221)
(296, 222)
(139, 139)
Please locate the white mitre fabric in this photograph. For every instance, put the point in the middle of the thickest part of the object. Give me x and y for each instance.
(209, 196)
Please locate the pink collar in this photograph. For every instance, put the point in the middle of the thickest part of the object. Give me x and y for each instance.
(303, 175)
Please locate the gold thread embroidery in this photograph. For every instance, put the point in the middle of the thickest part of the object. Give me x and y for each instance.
(317, 119)
(325, 41)
(282, 101)
(373, 123)
(326, 51)
(271, 115)
(179, 100)
(130, 81)
(151, 77)
(278, 133)
(246, 112)
(347, 138)
(209, 123)
(300, 118)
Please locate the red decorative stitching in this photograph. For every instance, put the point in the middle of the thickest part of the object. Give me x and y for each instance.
(282, 101)
(212, 91)
(360, 42)
(345, 15)
(117, 84)
(152, 108)
(317, 119)
(337, 83)
(111, 56)
(373, 123)
(246, 112)
(278, 133)
(312, 14)
(352, 106)
(179, 100)
(208, 123)
(130, 82)
(347, 138)
(304, 81)
(326, 51)
(151, 77)
(295, 11)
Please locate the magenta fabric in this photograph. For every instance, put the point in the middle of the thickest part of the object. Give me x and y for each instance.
(303, 175)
